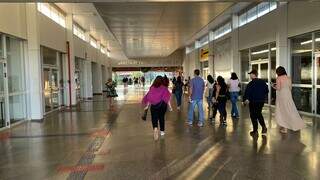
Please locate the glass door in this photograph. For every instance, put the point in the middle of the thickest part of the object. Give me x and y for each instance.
(47, 89)
(51, 89)
(54, 88)
(262, 66)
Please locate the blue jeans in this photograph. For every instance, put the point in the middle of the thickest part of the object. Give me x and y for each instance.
(200, 109)
(234, 98)
(178, 98)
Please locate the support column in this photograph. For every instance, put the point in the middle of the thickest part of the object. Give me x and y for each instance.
(96, 78)
(70, 62)
(235, 61)
(211, 59)
(33, 64)
(86, 80)
(282, 37)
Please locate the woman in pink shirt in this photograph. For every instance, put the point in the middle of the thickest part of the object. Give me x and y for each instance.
(159, 99)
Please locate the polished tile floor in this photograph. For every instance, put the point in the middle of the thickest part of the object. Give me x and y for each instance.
(96, 141)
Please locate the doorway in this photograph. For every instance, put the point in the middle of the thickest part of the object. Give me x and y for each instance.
(51, 89)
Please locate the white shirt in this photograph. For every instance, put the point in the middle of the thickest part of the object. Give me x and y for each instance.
(234, 85)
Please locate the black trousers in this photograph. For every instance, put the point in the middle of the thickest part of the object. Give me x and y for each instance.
(157, 115)
(256, 115)
(214, 110)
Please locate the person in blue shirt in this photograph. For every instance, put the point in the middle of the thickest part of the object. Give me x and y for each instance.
(196, 91)
(255, 95)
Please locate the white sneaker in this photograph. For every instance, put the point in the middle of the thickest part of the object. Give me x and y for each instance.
(162, 133)
(155, 134)
(178, 108)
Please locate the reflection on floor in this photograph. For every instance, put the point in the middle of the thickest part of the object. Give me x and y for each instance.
(99, 141)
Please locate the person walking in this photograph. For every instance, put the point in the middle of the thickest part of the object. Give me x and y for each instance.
(234, 89)
(209, 92)
(221, 99)
(255, 95)
(158, 97)
(286, 113)
(111, 90)
(196, 97)
(178, 90)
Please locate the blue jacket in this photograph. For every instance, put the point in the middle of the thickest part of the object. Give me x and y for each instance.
(256, 91)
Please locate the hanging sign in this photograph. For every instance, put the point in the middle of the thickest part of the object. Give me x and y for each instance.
(204, 54)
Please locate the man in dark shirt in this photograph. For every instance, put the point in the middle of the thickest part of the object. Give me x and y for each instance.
(255, 95)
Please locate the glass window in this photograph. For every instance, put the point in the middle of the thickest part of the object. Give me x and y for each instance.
(15, 66)
(301, 57)
(79, 32)
(1, 53)
(302, 98)
(273, 6)
(252, 14)
(49, 56)
(93, 42)
(263, 8)
(17, 108)
(51, 12)
(223, 30)
(244, 55)
(203, 41)
(317, 41)
(243, 19)
(260, 53)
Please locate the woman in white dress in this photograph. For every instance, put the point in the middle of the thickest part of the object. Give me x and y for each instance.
(286, 115)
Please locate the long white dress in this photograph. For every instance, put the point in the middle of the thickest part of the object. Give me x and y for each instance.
(286, 114)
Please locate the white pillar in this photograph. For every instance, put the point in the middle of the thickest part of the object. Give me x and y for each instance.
(211, 59)
(96, 78)
(282, 37)
(235, 58)
(33, 64)
(86, 80)
(70, 80)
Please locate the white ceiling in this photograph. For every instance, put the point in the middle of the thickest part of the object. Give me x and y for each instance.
(156, 29)
(86, 15)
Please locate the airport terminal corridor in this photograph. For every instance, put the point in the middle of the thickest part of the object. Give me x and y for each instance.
(99, 141)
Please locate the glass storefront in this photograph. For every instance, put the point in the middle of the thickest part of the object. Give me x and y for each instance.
(51, 76)
(12, 82)
(16, 82)
(305, 64)
(77, 76)
(302, 98)
(263, 59)
(301, 56)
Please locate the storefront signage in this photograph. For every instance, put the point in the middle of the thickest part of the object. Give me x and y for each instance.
(204, 54)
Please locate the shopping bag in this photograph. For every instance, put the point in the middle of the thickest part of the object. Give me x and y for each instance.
(144, 115)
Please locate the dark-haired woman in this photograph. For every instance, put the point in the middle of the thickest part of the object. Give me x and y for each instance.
(158, 97)
(286, 114)
(234, 89)
(221, 99)
(178, 90)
